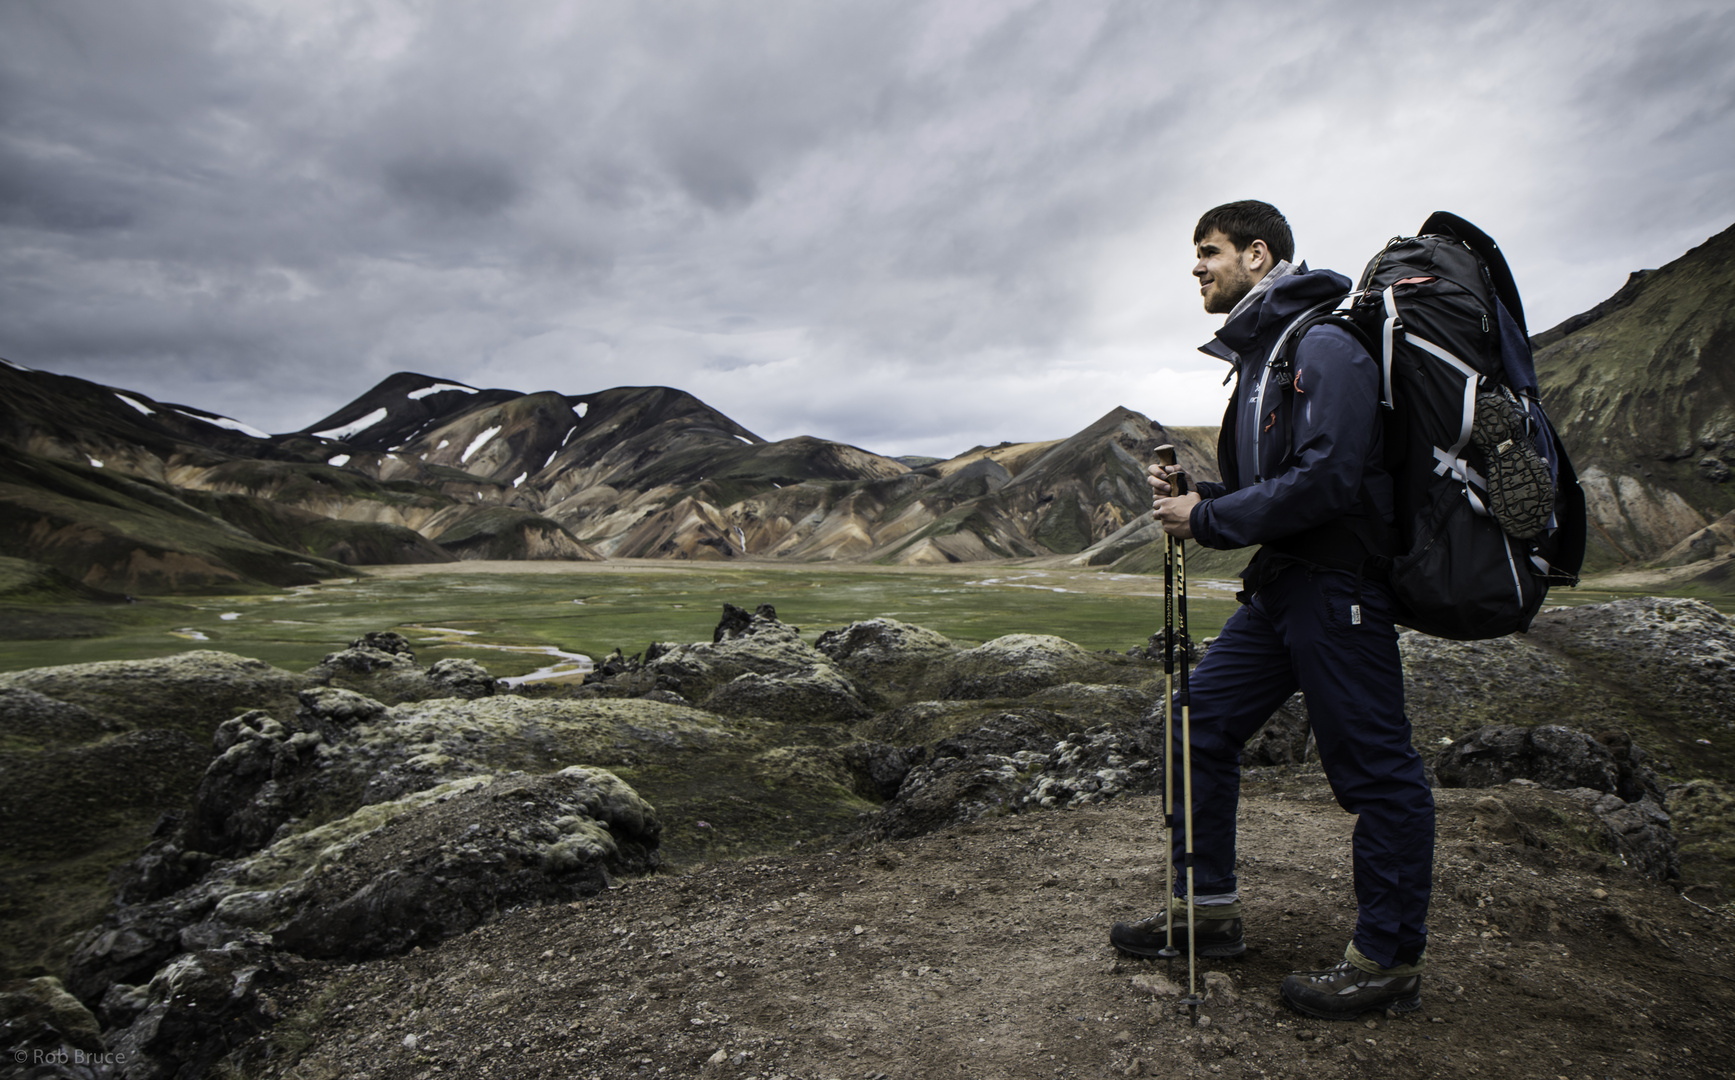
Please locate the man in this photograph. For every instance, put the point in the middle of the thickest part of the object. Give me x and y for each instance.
(1303, 475)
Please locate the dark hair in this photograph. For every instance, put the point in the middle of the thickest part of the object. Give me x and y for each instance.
(1246, 221)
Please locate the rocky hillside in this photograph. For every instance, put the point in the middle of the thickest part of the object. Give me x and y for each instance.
(757, 853)
(1642, 389)
(420, 469)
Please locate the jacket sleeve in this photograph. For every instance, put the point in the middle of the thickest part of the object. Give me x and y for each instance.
(1210, 489)
(1335, 424)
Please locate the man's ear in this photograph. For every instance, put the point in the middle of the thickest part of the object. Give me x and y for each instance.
(1256, 257)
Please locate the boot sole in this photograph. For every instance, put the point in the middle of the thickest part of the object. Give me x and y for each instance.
(1397, 1005)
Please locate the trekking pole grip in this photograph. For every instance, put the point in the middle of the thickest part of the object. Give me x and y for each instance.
(1166, 456)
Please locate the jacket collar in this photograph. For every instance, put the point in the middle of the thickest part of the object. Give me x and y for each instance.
(1278, 297)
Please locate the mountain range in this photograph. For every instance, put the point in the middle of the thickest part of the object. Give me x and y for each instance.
(120, 492)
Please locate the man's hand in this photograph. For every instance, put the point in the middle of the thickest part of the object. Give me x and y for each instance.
(1158, 477)
(1175, 514)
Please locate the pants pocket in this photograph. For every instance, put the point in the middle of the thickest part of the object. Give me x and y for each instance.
(1350, 609)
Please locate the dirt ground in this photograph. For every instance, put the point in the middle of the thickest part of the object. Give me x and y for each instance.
(981, 951)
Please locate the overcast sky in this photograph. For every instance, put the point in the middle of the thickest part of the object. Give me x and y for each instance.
(910, 226)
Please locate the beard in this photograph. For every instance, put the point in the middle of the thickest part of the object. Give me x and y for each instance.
(1229, 291)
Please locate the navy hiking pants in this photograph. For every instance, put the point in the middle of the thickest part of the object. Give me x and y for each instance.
(1316, 631)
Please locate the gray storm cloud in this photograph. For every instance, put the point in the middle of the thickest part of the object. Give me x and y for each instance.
(910, 226)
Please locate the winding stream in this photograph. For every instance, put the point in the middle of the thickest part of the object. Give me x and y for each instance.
(566, 663)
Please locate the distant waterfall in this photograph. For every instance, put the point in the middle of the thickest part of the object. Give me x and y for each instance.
(741, 538)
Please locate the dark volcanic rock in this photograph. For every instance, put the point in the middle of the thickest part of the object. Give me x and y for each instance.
(1089, 767)
(1624, 793)
(1641, 835)
(736, 622)
(386, 641)
(1553, 756)
(1285, 739)
(967, 776)
(198, 1010)
(883, 767)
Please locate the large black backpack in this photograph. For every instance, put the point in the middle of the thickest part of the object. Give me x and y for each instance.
(1489, 510)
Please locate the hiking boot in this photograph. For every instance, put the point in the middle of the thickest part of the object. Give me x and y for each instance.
(1350, 989)
(1217, 937)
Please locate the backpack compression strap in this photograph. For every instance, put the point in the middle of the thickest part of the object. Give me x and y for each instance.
(1452, 459)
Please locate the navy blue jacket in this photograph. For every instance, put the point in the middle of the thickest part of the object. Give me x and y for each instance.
(1294, 461)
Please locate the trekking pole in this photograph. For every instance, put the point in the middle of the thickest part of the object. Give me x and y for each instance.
(1166, 456)
(1178, 484)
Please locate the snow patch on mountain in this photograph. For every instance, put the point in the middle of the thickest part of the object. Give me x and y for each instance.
(417, 395)
(340, 459)
(355, 427)
(477, 443)
(139, 405)
(225, 423)
(581, 408)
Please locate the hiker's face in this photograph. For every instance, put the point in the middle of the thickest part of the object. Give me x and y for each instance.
(1227, 273)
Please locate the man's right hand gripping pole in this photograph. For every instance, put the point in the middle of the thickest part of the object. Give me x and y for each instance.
(1172, 501)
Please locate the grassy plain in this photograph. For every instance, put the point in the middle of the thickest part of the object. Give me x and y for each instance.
(591, 608)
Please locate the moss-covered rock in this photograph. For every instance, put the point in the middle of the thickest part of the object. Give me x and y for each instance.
(392, 875)
(887, 656)
(190, 692)
(1021, 664)
(773, 649)
(816, 695)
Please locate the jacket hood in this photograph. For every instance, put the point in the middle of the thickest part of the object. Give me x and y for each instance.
(1282, 302)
